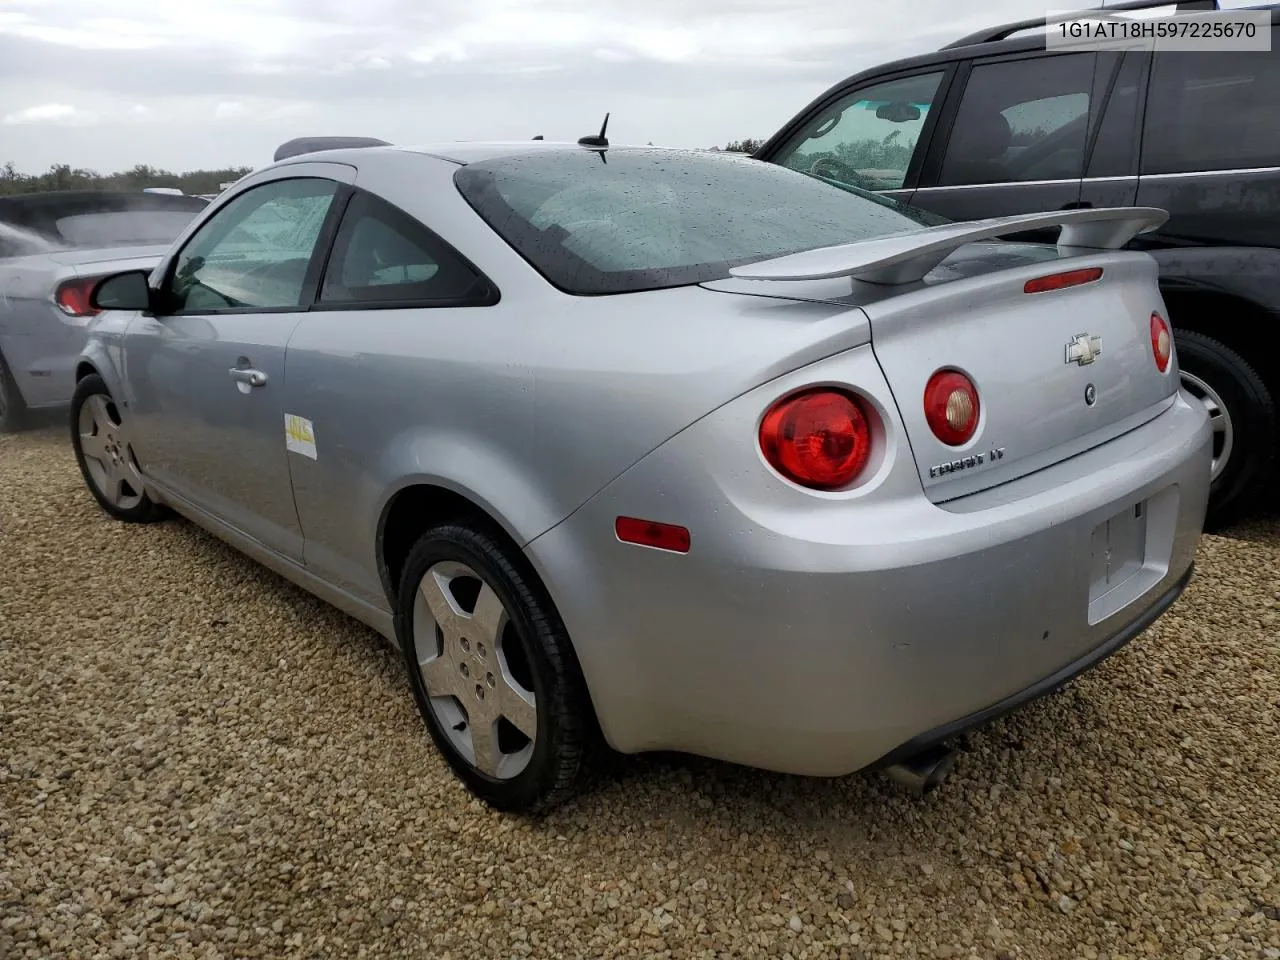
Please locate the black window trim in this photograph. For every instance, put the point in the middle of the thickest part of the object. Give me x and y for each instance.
(1143, 57)
(949, 71)
(488, 295)
(311, 279)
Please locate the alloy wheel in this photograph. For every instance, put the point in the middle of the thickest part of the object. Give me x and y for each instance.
(108, 455)
(477, 677)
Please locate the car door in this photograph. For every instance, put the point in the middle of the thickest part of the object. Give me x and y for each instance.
(1211, 145)
(1014, 141)
(378, 357)
(872, 136)
(206, 371)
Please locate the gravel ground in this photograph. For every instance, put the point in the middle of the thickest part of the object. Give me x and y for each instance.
(197, 759)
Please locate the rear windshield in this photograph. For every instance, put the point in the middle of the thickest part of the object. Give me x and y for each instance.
(121, 227)
(631, 220)
(58, 220)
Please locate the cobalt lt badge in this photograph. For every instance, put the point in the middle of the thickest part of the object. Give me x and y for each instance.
(1090, 395)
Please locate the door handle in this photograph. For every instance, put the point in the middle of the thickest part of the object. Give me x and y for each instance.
(1077, 205)
(254, 378)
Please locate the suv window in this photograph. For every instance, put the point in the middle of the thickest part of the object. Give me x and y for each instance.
(1116, 148)
(1021, 120)
(865, 139)
(382, 255)
(255, 251)
(1212, 111)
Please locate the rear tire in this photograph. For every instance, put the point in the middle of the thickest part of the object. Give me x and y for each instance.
(13, 409)
(1244, 417)
(100, 438)
(471, 606)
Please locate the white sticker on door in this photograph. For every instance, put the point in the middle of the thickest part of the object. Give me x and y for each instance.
(299, 435)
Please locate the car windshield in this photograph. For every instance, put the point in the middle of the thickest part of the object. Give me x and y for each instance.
(643, 219)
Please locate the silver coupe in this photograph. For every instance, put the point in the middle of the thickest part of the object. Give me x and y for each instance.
(662, 450)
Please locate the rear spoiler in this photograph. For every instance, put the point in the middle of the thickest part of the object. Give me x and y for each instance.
(908, 257)
(300, 145)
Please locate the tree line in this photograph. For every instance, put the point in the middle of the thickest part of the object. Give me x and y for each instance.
(62, 176)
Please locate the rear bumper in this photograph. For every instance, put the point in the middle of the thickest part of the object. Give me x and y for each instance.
(1042, 687)
(831, 636)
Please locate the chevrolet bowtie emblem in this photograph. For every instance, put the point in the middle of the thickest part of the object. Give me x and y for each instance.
(1083, 349)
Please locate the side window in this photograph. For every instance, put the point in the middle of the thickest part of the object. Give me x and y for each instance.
(255, 251)
(1212, 111)
(1021, 120)
(383, 255)
(868, 138)
(1116, 147)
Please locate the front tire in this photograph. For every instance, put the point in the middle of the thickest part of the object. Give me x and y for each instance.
(101, 439)
(1243, 416)
(492, 669)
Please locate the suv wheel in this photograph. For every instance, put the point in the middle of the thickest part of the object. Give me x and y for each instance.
(1243, 416)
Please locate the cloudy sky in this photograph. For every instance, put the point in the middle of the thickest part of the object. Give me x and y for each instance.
(106, 84)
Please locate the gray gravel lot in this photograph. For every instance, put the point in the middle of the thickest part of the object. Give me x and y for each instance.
(197, 759)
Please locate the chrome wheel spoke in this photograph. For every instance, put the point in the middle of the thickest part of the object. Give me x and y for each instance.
(439, 675)
(132, 475)
(518, 707)
(488, 618)
(101, 415)
(484, 745)
(113, 487)
(435, 592)
(94, 446)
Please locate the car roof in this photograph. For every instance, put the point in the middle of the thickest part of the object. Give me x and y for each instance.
(463, 152)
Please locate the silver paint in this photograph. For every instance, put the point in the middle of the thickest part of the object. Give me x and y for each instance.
(804, 631)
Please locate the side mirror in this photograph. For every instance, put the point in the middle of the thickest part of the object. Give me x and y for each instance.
(898, 112)
(122, 291)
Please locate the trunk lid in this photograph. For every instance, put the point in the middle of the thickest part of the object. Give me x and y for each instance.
(130, 257)
(1057, 372)
(1022, 351)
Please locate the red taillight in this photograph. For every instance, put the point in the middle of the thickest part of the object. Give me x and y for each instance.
(1057, 281)
(951, 407)
(647, 533)
(72, 297)
(820, 438)
(1161, 342)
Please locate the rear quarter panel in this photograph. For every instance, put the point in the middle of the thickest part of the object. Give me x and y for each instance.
(526, 408)
(29, 328)
(41, 344)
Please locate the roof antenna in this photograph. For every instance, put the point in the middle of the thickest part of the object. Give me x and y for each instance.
(599, 142)
(539, 137)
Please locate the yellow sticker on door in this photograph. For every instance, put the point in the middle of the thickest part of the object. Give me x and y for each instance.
(299, 435)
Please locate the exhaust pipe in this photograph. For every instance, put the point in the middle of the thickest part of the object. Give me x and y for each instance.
(924, 771)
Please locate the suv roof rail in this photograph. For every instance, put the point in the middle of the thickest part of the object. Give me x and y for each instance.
(301, 145)
(993, 34)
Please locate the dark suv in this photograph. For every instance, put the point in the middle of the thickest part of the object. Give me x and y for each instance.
(997, 124)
